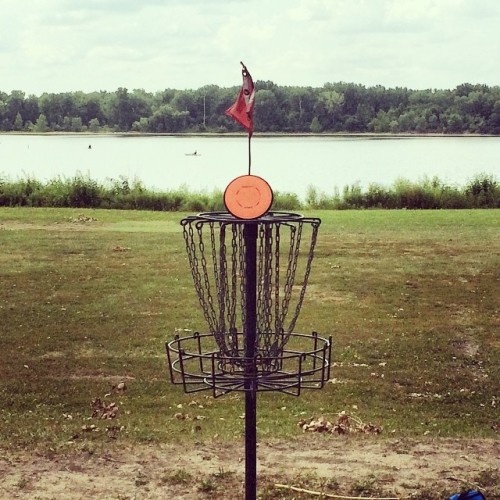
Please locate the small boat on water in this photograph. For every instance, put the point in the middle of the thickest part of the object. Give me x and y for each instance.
(193, 154)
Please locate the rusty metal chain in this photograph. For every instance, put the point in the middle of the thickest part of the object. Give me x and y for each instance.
(220, 276)
(232, 298)
(240, 249)
(265, 288)
(293, 257)
(194, 264)
(314, 236)
(278, 324)
(221, 286)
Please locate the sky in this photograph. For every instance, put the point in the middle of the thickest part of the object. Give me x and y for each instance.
(93, 45)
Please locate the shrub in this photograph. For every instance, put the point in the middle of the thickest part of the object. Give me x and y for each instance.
(483, 191)
(286, 201)
(84, 193)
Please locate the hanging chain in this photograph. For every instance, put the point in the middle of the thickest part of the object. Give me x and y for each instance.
(240, 249)
(293, 255)
(314, 237)
(220, 275)
(265, 278)
(227, 277)
(233, 329)
(260, 277)
(278, 324)
(202, 291)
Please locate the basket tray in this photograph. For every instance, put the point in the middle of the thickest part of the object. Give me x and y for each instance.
(196, 363)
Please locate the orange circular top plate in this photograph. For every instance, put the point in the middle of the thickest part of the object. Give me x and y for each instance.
(248, 197)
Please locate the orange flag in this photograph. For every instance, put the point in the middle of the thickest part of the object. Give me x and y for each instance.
(242, 109)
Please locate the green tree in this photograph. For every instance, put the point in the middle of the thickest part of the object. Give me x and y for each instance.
(14, 106)
(364, 113)
(66, 124)
(89, 107)
(381, 122)
(454, 123)
(328, 108)
(167, 119)
(493, 124)
(315, 126)
(125, 109)
(41, 124)
(407, 121)
(55, 107)
(94, 125)
(4, 125)
(121, 110)
(336, 106)
(268, 115)
(142, 125)
(76, 124)
(301, 106)
(210, 104)
(18, 122)
(184, 102)
(31, 109)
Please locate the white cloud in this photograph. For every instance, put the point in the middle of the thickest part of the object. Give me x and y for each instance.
(65, 45)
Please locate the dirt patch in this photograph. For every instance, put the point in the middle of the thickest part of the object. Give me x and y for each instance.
(400, 468)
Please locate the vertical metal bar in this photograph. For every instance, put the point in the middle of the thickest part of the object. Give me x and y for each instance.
(212, 381)
(169, 360)
(329, 357)
(200, 357)
(250, 338)
(249, 155)
(181, 364)
(298, 375)
(315, 337)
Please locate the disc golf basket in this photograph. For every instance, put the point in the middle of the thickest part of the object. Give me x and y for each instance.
(250, 276)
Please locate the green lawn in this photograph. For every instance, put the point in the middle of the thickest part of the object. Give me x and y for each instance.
(89, 297)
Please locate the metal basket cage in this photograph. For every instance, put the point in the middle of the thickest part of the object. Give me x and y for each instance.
(250, 277)
(197, 364)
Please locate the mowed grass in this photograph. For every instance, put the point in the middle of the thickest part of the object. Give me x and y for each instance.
(89, 297)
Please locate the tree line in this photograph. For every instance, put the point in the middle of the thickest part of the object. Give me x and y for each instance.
(332, 108)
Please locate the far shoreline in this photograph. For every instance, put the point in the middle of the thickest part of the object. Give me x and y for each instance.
(370, 135)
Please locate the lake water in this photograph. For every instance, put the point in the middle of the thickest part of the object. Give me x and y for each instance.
(289, 164)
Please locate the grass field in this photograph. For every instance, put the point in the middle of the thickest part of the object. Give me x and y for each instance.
(89, 297)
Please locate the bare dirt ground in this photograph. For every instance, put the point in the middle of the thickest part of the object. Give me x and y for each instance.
(387, 468)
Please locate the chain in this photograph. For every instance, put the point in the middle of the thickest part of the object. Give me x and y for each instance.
(188, 234)
(220, 276)
(211, 315)
(241, 253)
(293, 254)
(278, 324)
(314, 236)
(233, 331)
(260, 276)
(265, 278)
(228, 278)
(203, 292)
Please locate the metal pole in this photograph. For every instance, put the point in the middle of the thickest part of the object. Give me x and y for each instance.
(249, 154)
(250, 337)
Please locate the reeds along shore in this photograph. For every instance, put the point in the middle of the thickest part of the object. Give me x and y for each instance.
(483, 191)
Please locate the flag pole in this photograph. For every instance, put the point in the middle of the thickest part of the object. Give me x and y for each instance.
(249, 155)
(242, 110)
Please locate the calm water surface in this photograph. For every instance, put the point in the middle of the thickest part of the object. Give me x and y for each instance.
(289, 164)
